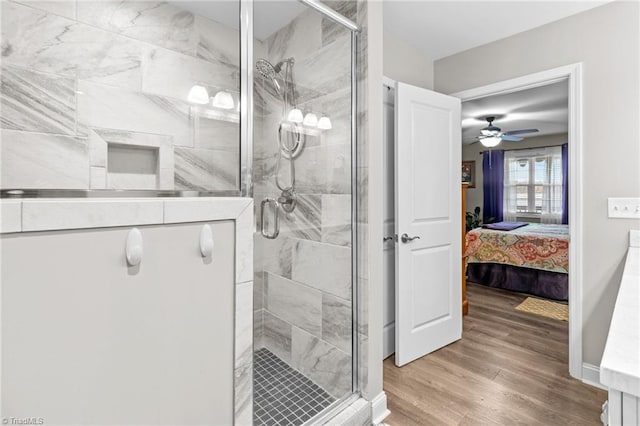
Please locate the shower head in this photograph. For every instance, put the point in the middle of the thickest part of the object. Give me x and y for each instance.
(266, 68)
(278, 66)
(268, 71)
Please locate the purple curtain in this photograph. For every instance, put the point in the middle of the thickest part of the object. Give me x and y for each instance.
(565, 184)
(493, 185)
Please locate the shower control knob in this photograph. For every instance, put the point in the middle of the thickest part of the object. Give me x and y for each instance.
(407, 239)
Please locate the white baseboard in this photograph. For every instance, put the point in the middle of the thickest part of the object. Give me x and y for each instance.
(388, 340)
(591, 375)
(379, 410)
(358, 413)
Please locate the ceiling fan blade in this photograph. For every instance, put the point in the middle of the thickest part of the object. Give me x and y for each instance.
(521, 132)
(511, 138)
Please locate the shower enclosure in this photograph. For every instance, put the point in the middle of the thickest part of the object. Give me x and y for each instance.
(303, 152)
(136, 98)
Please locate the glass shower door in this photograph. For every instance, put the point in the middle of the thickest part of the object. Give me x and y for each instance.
(303, 198)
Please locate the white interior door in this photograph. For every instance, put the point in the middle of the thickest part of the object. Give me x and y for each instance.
(427, 200)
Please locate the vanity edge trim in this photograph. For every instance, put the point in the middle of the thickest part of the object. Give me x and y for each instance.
(622, 348)
(57, 214)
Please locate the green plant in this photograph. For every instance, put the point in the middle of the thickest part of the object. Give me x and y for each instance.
(473, 219)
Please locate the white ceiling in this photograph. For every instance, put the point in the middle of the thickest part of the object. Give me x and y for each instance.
(544, 108)
(269, 15)
(443, 28)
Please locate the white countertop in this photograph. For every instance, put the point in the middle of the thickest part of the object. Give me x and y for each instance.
(48, 214)
(620, 366)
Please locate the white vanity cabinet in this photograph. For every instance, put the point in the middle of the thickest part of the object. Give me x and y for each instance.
(620, 366)
(151, 344)
(89, 338)
(623, 409)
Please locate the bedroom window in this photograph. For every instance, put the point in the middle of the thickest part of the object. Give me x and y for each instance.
(533, 184)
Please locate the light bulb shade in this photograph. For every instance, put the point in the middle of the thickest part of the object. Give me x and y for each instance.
(324, 123)
(198, 95)
(310, 120)
(295, 116)
(490, 142)
(223, 100)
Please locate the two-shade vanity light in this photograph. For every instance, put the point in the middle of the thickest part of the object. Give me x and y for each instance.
(200, 95)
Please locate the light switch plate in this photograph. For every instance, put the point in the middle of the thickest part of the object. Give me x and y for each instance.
(624, 208)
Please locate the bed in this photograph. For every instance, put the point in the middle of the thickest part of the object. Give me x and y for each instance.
(531, 259)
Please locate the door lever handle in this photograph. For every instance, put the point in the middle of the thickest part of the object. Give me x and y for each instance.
(407, 239)
(385, 239)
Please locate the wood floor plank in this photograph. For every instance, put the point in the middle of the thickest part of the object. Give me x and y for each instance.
(509, 368)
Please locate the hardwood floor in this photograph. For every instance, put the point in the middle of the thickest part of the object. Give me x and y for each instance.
(510, 368)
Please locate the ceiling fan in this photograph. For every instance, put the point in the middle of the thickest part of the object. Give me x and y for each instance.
(493, 135)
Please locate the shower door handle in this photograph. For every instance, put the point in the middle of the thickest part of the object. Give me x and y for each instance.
(276, 218)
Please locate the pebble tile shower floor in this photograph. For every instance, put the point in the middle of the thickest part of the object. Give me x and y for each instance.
(282, 395)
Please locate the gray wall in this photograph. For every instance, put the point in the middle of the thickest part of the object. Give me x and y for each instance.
(405, 63)
(472, 152)
(607, 41)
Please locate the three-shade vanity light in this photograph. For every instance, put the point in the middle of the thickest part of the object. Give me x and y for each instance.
(309, 119)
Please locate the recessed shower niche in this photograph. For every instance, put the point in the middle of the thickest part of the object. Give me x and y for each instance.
(132, 160)
(132, 167)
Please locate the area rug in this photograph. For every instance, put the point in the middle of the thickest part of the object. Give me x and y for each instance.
(546, 308)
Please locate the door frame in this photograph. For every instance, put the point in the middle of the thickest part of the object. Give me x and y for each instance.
(573, 75)
(389, 224)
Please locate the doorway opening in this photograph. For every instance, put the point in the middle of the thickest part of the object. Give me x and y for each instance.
(470, 360)
(570, 74)
(569, 78)
(514, 171)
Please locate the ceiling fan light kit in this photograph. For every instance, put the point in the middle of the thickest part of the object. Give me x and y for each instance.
(490, 141)
(491, 135)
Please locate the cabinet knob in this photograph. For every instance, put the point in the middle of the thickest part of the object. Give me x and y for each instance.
(206, 241)
(134, 247)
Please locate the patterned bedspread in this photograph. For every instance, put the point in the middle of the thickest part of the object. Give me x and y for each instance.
(535, 246)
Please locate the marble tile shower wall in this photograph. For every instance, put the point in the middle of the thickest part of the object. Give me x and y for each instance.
(84, 81)
(303, 278)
